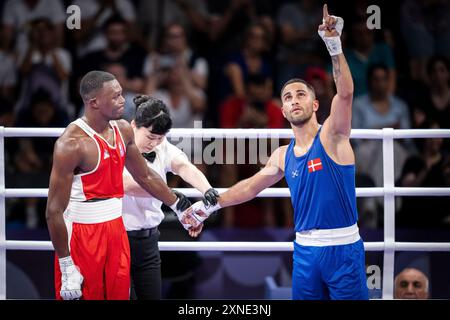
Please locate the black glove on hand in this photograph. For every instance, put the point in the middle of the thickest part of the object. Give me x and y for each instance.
(184, 202)
(210, 197)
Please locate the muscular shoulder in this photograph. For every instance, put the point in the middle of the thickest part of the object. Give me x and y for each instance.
(126, 130)
(278, 156)
(71, 145)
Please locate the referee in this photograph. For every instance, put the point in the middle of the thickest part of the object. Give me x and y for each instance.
(142, 213)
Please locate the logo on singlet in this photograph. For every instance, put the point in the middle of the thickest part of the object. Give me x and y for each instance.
(121, 150)
(294, 173)
(105, 155)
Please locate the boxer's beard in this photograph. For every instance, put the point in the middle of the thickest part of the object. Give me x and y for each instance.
(302, 118)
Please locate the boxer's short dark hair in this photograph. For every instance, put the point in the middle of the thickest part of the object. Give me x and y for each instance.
(295, 80)
(92, 82)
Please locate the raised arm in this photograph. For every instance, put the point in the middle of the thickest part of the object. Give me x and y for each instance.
(339, 121)
(341, 107)
(66, 157)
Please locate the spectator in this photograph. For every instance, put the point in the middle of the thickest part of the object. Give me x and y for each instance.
(18, 15)
(174, 85)
(95, 13)
(8, 72)
(250, 60)
(323, 87)
(6, 113)
(425, 25)
(411, 283)
(220, 33)
(155, 16)
(119, 56)
(228, 18)
(357, 10)
(375, 110)
(379, 108)
(7, 119)
(32, 158)
(431, 100)
(438, 102)
(298, 46)
(42, 113)
(429, 168)
(364, 53)
(256, 110)
(175, 49)
(214, 27)
(45, 65)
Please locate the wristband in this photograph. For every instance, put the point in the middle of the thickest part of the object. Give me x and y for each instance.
(334, 45)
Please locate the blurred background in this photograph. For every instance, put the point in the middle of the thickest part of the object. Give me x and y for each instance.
(223, 62)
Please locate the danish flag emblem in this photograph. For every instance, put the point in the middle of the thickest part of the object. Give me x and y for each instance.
(314, 165)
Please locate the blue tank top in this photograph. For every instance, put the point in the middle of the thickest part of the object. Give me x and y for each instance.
(322, 192)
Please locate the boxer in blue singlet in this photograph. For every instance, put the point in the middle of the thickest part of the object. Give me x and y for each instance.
(319, 167)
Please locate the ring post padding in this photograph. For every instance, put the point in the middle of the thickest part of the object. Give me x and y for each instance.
(2, 217)
(389, 213)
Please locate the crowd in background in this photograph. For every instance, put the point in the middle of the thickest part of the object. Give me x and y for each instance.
(223, 63)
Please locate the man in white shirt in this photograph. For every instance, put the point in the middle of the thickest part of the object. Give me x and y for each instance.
(95, 13)
(44, 64)
(142, 214)
(18, 14)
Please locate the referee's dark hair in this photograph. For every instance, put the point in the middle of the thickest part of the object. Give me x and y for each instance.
(152, 112)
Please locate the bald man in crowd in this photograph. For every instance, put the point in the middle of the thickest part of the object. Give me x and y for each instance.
(411, 284)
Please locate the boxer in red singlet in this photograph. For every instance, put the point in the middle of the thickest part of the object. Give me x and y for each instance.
(84, 208)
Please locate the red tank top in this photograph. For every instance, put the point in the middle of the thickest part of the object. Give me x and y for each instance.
(105, 180)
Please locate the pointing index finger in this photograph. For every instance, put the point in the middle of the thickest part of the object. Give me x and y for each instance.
(325, 11)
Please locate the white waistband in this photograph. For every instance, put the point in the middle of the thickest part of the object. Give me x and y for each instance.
(328, 237)
(94, 212)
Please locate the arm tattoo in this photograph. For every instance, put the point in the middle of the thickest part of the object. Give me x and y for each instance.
(336, 68)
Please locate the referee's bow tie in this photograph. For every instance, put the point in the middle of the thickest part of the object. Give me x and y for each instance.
(149, 156)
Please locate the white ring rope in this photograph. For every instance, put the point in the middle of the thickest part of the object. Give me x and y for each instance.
(245, 133)
(389, 192)
(239, 246)
(267, 193)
